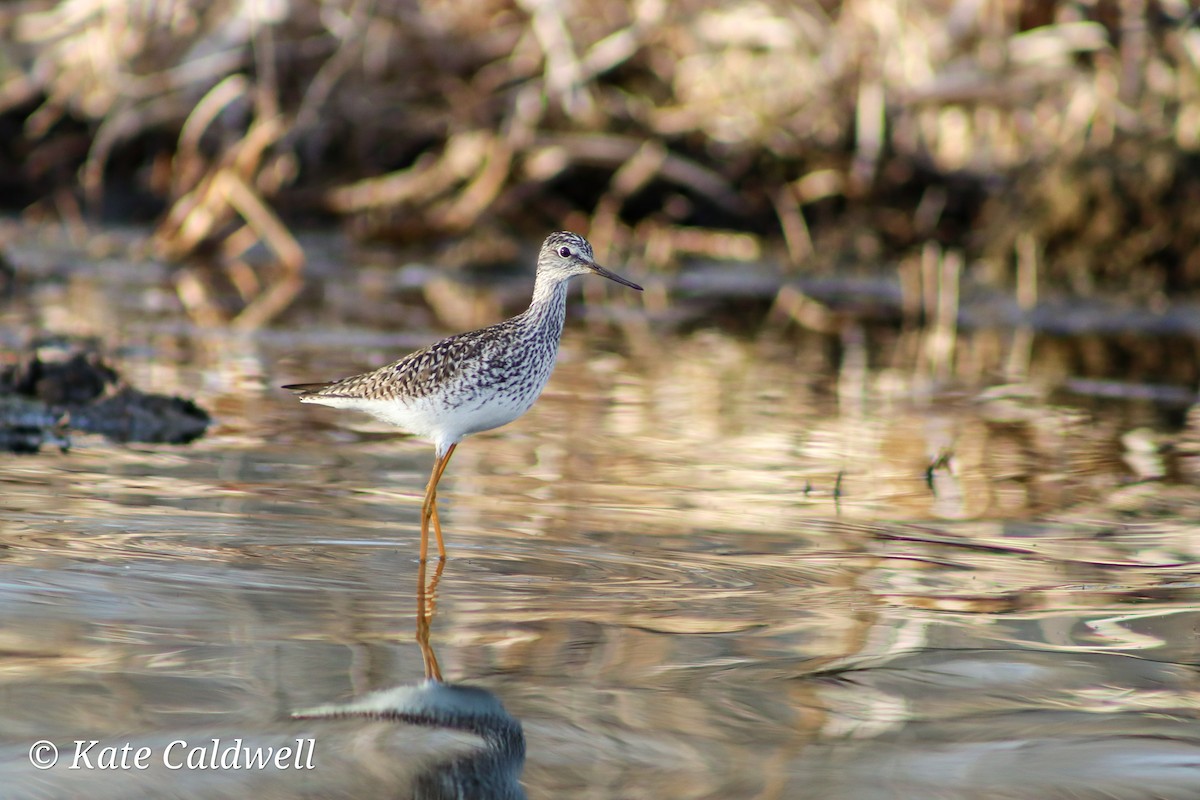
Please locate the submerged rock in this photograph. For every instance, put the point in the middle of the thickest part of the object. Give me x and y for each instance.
(68, 386)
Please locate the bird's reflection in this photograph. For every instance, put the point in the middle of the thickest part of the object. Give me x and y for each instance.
(478, 749)
(490, 765)
(426, 606)
(430, 740)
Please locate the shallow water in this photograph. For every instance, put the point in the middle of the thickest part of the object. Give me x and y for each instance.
(703, 566)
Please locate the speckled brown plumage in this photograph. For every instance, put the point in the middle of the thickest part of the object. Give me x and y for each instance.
(473, 381)
(424, 371)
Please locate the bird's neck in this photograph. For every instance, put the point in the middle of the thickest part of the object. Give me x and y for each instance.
(548, 308)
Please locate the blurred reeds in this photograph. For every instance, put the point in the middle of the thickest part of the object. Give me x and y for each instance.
(1057, 134)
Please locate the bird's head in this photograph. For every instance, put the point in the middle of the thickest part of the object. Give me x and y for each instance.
(565, 255)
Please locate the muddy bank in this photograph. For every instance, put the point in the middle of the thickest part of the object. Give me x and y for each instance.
(59, 387)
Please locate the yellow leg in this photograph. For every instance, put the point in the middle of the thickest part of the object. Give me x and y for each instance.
(429, 507)
(433, 516)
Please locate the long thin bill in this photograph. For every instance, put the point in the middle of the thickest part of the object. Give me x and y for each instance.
(612, 276)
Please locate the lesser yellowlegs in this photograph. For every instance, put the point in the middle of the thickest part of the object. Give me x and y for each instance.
(473, 381)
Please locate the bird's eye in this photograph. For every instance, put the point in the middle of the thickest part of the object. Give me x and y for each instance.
(564, 251)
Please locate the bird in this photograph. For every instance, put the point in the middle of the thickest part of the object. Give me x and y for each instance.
(473, 381)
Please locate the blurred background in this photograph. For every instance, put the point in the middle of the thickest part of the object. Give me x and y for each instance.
(886, 486)
(1041, 144)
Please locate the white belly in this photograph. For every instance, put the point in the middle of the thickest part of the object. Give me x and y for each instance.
(446, 419)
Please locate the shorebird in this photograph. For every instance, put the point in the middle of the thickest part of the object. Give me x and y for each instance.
(473, 381)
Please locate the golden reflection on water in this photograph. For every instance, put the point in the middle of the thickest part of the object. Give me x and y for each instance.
(719, 568)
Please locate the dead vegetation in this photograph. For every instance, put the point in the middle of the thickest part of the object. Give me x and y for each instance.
(1060, 134)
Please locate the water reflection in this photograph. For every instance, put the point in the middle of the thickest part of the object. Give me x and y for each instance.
(430, 740)
(481, 748)
(1002, 723)
(711, 566)
(426, 608)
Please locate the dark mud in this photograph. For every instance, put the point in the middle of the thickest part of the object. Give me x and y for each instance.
(65, 386)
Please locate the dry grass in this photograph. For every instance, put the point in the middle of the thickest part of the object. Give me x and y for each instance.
(827, 131)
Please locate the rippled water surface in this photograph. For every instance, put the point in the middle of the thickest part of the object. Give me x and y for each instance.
(705, 565)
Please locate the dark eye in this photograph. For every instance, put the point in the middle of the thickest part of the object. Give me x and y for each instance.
(564, 251)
